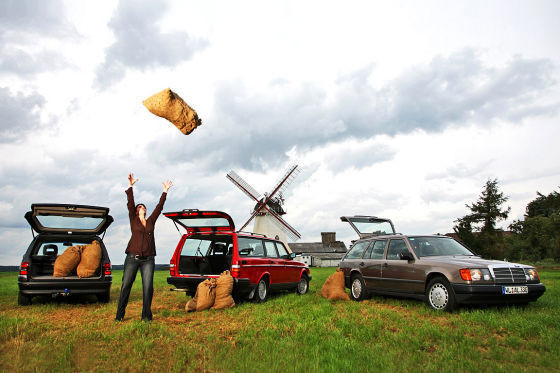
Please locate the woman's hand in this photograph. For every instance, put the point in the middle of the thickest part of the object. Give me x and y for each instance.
(131, 180)
(166, 185)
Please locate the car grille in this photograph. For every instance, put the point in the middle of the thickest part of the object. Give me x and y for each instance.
(508, 275)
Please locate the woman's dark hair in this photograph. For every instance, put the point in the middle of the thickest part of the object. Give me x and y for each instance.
(140, 204)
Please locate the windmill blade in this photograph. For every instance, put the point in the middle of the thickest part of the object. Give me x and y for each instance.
(251, 217)
(292, 233)
(285, 180)
(244, 186)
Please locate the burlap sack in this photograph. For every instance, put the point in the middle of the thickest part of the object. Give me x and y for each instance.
(333, 288)
(67, 261)
(224, 286)
(91, 257)
(191, 304)
(204, 297)
(167, 104)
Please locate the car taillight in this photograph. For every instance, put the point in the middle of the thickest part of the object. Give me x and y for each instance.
(23, 268)
(172, 270)
(235, 270)
(107, 269)
(465, 274)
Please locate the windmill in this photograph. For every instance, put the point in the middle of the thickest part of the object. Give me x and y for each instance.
(268, 209)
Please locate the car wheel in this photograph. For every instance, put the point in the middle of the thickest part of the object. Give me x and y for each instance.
(105, 297)
(261, 292)
(303, 285)
(358, 289)
(23, 300)
(440, 295)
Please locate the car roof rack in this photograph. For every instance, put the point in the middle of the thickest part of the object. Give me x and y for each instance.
(253, 233)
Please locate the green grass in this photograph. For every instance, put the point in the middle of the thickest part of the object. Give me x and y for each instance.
(287, 333)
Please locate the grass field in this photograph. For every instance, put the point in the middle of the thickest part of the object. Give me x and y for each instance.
(287, 333)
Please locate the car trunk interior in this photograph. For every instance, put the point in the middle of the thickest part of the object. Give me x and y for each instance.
(206, 255)
(44, 256)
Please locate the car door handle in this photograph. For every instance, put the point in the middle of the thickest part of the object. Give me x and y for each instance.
(271, 262)
(385, 265)
(362, 264)
(243, 262)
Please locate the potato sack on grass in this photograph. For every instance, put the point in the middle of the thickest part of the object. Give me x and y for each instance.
(167, 104)
(204, 297)
(67, 261)
(333, 288)
(224, 287)
(91, 256)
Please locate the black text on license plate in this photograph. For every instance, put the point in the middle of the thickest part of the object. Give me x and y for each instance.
(515, 290)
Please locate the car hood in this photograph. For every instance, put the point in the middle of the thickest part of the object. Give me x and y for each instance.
(68, 218)
(471, 261)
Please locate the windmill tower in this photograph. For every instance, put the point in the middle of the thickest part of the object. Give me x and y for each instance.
(268, 209)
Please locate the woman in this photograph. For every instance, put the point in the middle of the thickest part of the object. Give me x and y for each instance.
(140, 251)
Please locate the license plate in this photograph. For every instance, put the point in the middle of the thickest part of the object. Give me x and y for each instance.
(515, 290)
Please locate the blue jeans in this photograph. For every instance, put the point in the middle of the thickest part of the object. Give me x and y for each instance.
(131, 266)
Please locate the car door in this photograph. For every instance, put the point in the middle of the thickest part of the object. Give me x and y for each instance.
(277, 276)
(290, 270)
(253, 261)
(400, 275)
(373, 259)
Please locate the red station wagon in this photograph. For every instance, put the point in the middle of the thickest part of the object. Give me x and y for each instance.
(210, 246)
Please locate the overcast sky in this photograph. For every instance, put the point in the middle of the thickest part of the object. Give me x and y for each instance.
(397, 109)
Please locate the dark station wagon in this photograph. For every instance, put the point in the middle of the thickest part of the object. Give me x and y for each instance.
(211, 245)
(435, 268)
(60, 226)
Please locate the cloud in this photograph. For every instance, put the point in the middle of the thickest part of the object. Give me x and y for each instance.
(19, 113)
(255, 128)
(23, 26)
(141, 44)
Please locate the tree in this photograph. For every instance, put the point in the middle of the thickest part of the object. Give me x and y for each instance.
(538, 235)
(478, 229)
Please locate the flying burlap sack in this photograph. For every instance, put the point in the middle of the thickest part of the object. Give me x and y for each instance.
(91, 257)
(204, 297)
(224, 286)
(333, 288)
(167, 104)
(67, 261)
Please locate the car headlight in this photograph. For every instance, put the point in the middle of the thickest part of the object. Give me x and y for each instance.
(531, 274)
(475, 274)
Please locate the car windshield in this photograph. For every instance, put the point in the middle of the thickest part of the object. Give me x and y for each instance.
(437, 246)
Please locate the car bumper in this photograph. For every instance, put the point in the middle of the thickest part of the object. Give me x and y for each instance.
(32, 288)
(241, 286)
(492, 294)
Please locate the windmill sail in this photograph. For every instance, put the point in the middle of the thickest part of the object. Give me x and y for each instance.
(243, 185)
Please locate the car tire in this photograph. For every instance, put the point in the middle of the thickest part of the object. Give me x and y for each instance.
(261, 291)
(303, 285)
(358, 289)
(105, 297)
(440, 295)
(23, 300)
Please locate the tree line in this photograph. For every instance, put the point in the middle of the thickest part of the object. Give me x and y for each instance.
(535, 237)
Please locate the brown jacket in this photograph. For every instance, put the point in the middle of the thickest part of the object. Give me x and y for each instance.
(142, 241)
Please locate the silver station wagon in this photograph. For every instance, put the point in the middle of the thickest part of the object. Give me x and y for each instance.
(435, 268)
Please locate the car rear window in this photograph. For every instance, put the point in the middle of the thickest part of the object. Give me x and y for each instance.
(54, 248)
(249, 246)
(69, 222)
(357, 250)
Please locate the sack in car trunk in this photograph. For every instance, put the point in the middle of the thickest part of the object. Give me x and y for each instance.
(333, 288)
(224, 287)
(91, 256)
(167, 104)
(204, 297)
(67, 261)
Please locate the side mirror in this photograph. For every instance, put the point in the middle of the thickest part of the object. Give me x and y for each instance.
(292, 256)
(406, 256)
